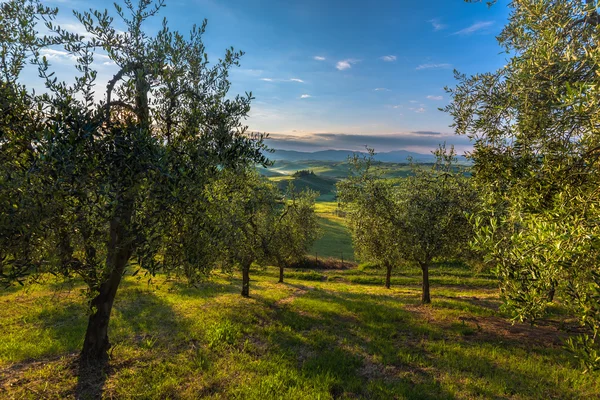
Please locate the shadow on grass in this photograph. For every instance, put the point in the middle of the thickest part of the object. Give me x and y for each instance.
(140, 318)
(91, 380)
(369, 346)
(345, 342)
(314, 342)
(206, 289)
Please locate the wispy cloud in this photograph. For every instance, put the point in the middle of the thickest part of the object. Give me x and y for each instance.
(397, 106)
(346, 64)
(382, 89)
(389, 58)
(58, 55)
(437, 25)
(298, 80)
(419, 110)
(474, 28)
(430, 97)
(305, 96)
(319, 58)
(434, 66)
(426, 133)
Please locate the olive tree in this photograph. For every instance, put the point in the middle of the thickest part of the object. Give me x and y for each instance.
(534, 124)
(367, 199)
(295, 229)
(245, 204)
(262, 226)
(420, 217)
(112, 176)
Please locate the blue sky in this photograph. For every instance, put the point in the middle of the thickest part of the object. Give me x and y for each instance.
(365, 73)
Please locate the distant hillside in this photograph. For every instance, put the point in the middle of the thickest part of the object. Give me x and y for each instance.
(309, 180)
(398, 156)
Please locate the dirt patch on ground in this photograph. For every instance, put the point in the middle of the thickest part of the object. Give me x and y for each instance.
(27, 379)
(494, 328)
(546, 335)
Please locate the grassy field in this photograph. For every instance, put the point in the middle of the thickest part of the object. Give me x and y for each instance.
(321, 335)
(336, 241)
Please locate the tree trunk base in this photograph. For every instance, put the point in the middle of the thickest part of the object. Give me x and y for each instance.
(388, 277)
(425, 296)
(246, 281)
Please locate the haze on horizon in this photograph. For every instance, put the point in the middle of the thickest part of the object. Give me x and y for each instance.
(337, 74)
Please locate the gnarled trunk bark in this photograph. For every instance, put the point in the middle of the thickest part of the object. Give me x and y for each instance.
(388, 276)
(552, 290)
(246, 280)
(96, 343)
(425, 297)
(280, 275)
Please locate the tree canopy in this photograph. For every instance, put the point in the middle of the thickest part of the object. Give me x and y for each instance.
(534, 124)
(94, 179)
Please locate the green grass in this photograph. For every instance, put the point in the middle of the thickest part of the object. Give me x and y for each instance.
(336, 241)
(322, 334)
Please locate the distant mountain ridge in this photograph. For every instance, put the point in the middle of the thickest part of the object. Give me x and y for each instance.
(397, 156)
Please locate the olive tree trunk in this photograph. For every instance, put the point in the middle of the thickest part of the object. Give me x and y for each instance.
(96, 344)
(388, 276)
(246, 280)
(425, 297)
(280, 275)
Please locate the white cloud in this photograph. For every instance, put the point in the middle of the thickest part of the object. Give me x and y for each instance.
(319, 58)
(434, 66)
(437, 25)
(419, 110)
(58, 55)
(474, 28)
(430, 97)
(282, 80)
(346, 64)
(397, 106)
(389, 58)
(382, 89)
(305, 96)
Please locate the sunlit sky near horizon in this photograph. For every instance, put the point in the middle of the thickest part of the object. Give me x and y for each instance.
(333, 74)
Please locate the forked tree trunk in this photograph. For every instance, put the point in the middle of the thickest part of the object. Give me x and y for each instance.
(246, 280)
(280, 275)
(96, 344)
(388, 276)
(425, 297)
